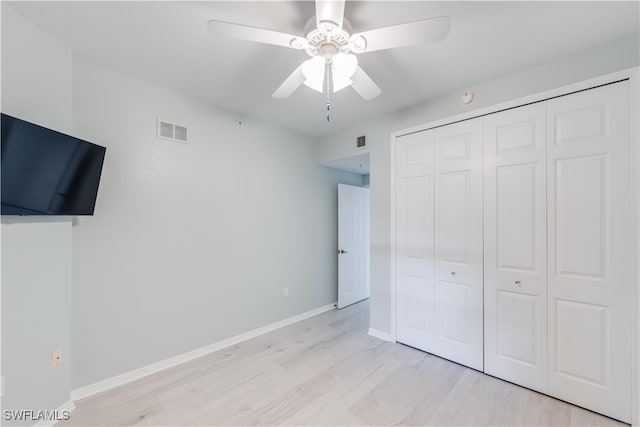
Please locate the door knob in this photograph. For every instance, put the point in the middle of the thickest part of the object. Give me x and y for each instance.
(340, 251)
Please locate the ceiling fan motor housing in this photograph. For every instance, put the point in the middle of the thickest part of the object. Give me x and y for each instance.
(330, 34)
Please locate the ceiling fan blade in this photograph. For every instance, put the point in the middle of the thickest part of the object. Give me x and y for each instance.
(292, 83)
(329, 13)
(363, 84)
(411, 33)
(254, 34)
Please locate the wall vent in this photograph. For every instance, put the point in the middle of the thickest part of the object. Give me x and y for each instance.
(171, 131)
(361, 142)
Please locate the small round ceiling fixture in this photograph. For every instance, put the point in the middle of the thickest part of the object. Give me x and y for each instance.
(467, 98)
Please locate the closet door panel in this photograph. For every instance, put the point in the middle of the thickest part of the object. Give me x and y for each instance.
(590, 248)
(458, 243)
(414, 240)
(515, 282)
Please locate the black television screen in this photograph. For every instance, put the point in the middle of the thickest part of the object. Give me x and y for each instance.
(45, 172)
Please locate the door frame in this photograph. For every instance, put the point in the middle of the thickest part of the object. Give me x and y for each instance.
(630, 74)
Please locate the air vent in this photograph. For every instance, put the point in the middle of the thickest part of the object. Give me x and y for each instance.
(180, 133)
(361, 142)
(171, 131)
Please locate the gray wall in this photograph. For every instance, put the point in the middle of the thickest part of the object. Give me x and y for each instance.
(582, 66)
(36, 295)
(192, 243)
(36, 252)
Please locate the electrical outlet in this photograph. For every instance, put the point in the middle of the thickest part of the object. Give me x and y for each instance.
(56, 357)
(285, 292)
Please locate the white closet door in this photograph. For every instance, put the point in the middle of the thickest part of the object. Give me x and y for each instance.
(414, 240)
(590, 248)
(515, 246)
(458, 243)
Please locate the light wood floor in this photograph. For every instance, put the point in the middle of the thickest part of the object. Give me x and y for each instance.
(325, 371)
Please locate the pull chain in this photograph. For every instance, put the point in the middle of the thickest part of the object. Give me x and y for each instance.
(328, 87)
(328, 108)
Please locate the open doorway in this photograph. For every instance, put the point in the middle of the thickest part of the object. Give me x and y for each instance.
(353, 250)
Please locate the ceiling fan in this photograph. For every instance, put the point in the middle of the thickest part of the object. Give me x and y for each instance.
(333, 47)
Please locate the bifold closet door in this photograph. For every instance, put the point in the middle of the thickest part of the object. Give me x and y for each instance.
(415, 240)
(590, 247)
(515, 246)
(458, 243)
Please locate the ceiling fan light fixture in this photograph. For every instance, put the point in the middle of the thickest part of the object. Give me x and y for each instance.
(343, 67)
(345, 64)
(340, 82)
(313, 71)
(331, 44)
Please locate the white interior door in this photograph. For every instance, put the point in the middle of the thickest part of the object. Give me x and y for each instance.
(515, 246)
(353, 244)
(458, 243)
(590, 247)
(415, 291)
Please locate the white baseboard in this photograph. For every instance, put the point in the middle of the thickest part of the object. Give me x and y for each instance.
(66, 406)
(381, 335)
(118, 380)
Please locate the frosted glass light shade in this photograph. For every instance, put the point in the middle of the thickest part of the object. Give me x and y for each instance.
(343, 68)
(313, 71)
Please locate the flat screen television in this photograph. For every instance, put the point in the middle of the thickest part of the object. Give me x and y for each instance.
(45, 172)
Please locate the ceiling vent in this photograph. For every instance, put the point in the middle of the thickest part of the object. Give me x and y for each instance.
(171, 131)
(361, 142)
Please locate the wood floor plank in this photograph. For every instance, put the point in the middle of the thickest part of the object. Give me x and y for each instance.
(326, 371)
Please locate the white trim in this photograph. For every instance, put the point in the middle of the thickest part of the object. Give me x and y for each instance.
(392, 240)
(118, 380)
(381, 335)
(634, 134)
(633, 74)
(66, 406)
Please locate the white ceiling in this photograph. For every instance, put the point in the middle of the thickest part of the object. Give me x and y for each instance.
(167, 43)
